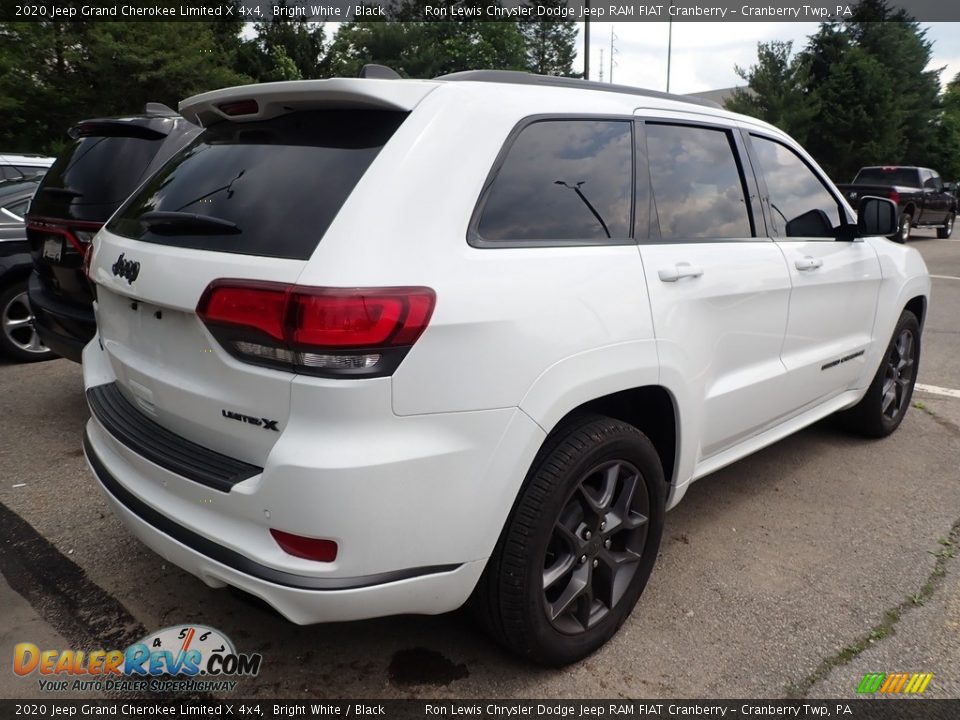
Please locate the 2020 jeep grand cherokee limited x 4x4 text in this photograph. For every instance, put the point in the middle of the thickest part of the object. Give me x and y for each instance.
(373, 346)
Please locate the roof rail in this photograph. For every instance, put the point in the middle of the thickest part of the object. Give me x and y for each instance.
(514, 77)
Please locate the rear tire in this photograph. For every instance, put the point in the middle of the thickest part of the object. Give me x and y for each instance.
(881, 410)
(947, 230)
(18, 336)
(579, 545)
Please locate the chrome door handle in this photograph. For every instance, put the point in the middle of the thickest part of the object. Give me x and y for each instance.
(808, 263)
(680, 270)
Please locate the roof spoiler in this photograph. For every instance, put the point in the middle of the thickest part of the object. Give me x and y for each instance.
(154, 108)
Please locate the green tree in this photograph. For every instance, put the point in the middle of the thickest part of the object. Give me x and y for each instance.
(551, 45)
(284, 48)
(427, 49)
(59, 73)
(946, 157)
(778, 89)
(858, 129)
(898, 43)
(859, 93)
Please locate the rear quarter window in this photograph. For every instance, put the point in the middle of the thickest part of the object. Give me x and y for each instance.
(279, 182)
(562, 181)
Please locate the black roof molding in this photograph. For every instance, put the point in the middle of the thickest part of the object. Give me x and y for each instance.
(378, 72)
(514, 77)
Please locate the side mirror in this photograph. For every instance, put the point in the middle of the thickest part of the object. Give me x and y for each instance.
(813, 223)
(948, 187)
(876, 216)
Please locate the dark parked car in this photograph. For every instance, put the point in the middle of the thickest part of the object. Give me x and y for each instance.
(18, 336)
(107, 160)
(923, 199)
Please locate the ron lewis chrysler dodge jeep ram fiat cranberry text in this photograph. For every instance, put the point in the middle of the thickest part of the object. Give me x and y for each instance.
(374, 346)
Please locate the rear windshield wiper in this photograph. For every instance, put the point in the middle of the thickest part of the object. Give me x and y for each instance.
(169, 222)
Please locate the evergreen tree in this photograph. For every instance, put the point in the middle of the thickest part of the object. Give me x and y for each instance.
(778, 90)
(551, 44)
(285, 48)
(427, 49)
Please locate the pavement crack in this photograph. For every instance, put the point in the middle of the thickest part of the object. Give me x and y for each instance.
(943, 422)
(946, 551)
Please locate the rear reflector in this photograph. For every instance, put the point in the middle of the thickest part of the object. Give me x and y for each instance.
(305, 547)
(321, 331)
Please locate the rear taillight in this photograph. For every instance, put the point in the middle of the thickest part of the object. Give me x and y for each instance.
(894, 195)
(331, 332)
(77, 234)
(87, 259)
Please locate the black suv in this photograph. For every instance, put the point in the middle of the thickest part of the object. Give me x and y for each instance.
(107, 159)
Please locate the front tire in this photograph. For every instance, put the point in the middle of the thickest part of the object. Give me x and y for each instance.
(881, 410)
(906, 225)
(947, 230)
(580, 543)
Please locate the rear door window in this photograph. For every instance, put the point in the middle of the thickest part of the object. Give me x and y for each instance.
(567, 181)
(267, 188)
(698, 187)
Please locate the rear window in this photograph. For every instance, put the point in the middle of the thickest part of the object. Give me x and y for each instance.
(888, 176)
(277, 184)
(97, 170)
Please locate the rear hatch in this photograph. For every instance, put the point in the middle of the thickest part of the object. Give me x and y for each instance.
(106, 160)
(246, 203)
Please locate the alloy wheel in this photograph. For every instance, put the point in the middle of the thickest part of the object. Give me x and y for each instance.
(596, 546)
(18, 325)
(899, 374)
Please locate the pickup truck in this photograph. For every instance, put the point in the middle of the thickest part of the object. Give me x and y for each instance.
(923, 199)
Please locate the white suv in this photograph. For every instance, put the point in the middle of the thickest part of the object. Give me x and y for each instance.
(373, 346)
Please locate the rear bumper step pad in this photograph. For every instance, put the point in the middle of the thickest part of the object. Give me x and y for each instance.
(155, 443)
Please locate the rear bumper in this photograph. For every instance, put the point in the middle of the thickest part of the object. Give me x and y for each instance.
(302, 599)
(415, 507)
(65, 328)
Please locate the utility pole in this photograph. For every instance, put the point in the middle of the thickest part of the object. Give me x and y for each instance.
(601, 64)
(586, 42)
(669, 47)
(613, 51)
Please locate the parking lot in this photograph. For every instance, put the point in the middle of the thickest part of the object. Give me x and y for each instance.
(791, 573)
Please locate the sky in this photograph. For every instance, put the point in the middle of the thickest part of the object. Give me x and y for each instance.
(704, 54)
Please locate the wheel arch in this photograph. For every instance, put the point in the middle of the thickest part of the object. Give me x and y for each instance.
(918, 306)
(650, 408)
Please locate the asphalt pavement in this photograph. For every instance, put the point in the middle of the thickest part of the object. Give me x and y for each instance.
(789, 574)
